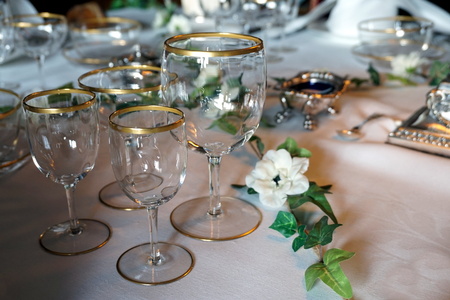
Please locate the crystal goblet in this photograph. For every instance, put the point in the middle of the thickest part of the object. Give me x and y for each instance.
(63, 124)
(39, 36)
(149, 156)
(119, 87)
(220, 86)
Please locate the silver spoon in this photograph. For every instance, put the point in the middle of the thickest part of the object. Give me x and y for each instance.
(355, 132)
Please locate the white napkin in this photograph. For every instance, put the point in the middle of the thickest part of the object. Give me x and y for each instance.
(22, 7)
(346, 14)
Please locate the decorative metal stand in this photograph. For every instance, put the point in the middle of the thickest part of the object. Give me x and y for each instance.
(428, 129)
(312, 93)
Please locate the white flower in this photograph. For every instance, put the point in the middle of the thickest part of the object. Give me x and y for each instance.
(160, 18)
(207, 74)
(404, 65)
(278, 175)
(179, 24)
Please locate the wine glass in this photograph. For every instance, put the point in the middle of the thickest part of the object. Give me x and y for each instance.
(149, 157)
(119, 87)
(219, 10)
(220, 86)
(264, 15)
(6, 41)
(287, 10)
(39, 36)
(63, 134)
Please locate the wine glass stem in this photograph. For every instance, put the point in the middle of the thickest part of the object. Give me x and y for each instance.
(214, 185)
(70, 195)
(155, 255)
(40, 62)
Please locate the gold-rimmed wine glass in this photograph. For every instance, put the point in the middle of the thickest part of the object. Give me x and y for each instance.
(119, 87)
(6, 41)
(63, 134)
(38, 36)
(149, 156)
(220, 86)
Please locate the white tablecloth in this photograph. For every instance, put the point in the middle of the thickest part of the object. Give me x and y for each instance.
(393, 203)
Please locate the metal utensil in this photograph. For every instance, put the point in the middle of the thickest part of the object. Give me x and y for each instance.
(355, 132)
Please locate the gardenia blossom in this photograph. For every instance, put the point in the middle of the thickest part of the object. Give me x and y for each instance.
(278, 175)
(205, 75)
(179, 24)
(404, 65)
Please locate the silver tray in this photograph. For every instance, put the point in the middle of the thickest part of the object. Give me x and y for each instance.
(422, 132)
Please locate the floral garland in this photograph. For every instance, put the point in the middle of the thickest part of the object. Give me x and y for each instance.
(408, 69)
(279, 178)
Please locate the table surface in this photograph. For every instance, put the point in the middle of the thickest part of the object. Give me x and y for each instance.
(393, 203)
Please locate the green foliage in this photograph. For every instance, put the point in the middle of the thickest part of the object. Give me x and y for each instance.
(403, 80)
(321, 234)
(316, 195)
(438, 71)
(285, 223)
(374, 75)
(331, 273)
(291, 146)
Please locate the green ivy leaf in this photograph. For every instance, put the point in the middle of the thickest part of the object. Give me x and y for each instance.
(438, 71)
(291, 146)
(331, 273)
(285, 223)
(300, 240)
(316, 195)
(321, 234)
(374, 75)
(358, 81)
(403, 80)
(259, 145)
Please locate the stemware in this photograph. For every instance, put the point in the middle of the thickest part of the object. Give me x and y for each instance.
(287, 10)
(118, 87)
(219, 10)
(63, 134)
(39, 36)
(6, 41)
(149, 156)
(101, 41)
(220, 86)
(10, 108)
(263, 15)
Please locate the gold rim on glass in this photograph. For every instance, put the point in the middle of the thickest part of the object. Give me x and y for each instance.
(203, 53)
(134, 25)
(136, 130)
(361, 27)
(58, 110)
(119, 91)
(44, 15)
(15, 108)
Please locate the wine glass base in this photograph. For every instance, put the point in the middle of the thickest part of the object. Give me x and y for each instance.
(112, 196)
(176, 262)
(58, 239)
(238, 218)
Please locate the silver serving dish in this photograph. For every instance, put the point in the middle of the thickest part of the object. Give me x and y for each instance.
(428, 129)
(311, 93)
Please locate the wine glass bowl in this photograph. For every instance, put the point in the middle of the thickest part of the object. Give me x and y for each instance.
(220, 86)
(10, 113)
(149, 157)
(119, 87)
(383, 39)
(100, 41)
(62, 124)
(39, 36)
